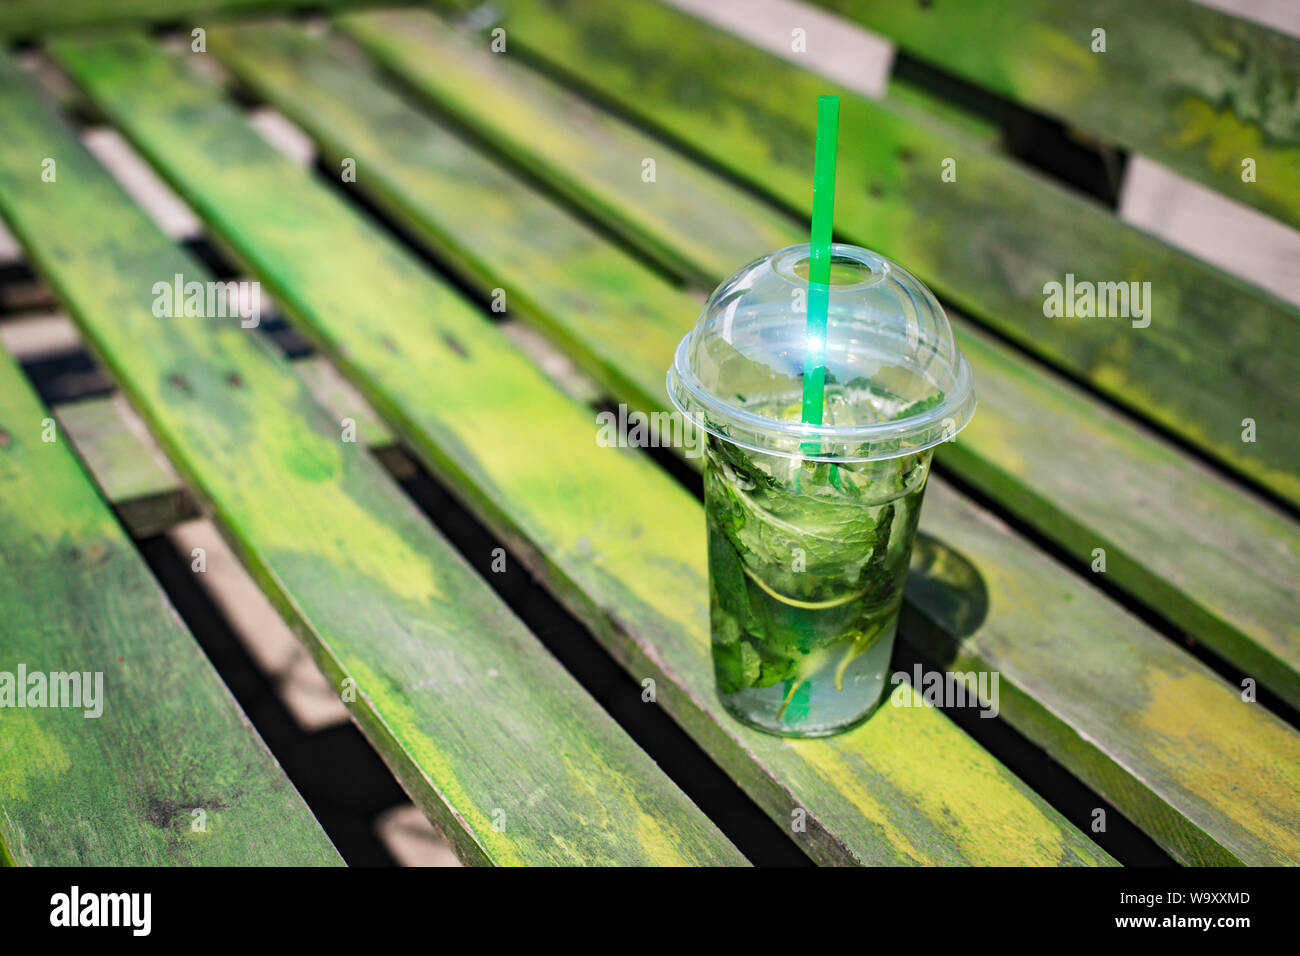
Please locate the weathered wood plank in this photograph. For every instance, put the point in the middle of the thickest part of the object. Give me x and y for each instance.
(334, 393)
(1142, 722)
(607, 530)
(609, 158)
(841, 51)
(680, 188)
(1190, 86)
(505, 751)
(1217, 562)
(276, 651)
(443, 190)
(137, 480)
(927, 106)
(989, 241)
(131, 473)
(574, 272)
(26, 18)
(168, 771)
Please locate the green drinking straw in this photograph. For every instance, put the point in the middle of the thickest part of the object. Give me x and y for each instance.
(819, 263)
(819, 294)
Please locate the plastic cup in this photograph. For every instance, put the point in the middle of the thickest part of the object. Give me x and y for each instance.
(810, 527)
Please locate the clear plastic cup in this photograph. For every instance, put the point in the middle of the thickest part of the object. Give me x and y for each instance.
(810, 527)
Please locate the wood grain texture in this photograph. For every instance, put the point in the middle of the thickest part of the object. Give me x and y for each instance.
(120, 788)
(504, 751)
(988, 242)
(1219, 563)
(1036, 614)
(131, 473)
(1192, 87)
(617, 539)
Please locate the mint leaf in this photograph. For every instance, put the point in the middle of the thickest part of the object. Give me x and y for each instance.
(916, 408)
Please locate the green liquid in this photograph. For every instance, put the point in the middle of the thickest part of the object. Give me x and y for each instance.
(807, 562)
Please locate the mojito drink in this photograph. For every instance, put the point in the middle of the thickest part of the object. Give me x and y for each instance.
(810, 523)
(806, 567)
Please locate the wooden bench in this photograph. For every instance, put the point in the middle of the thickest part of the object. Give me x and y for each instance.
(502, 168)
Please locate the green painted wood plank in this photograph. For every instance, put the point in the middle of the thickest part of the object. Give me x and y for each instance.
(1142, 722)
(146, 493)
(334, 393)
(30, 17)
(131, 473)
(573, 271)
(608, 158)
(1193, 87)
(1218, 562)
(988, 242)
(617, 539)
(613, 158)
(505, 751)
(337, 396)
(901, 93)
(135, 477)
(444, 191)
(917, 102)
(119, 788)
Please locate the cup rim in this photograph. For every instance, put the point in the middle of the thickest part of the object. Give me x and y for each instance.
(692, 399)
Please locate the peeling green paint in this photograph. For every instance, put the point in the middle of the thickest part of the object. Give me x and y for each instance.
(76, 790)
(611, 532)
(1165, 523)
(349, 560)
(1192, 87)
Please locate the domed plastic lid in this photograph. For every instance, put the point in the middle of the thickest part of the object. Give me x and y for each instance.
(896, 382)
